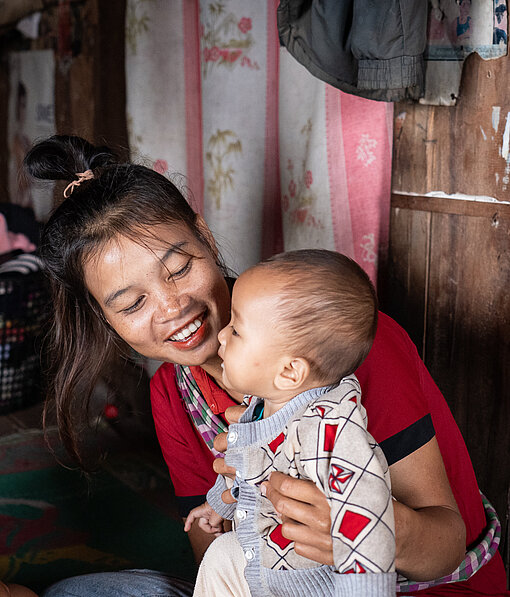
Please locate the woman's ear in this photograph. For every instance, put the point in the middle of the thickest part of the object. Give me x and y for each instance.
(292, 374)
(205, 231)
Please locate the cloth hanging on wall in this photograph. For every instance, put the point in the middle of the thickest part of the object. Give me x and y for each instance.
(31, 116)
(273, 157)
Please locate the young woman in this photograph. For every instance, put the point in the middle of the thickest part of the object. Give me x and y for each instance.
(132, 265)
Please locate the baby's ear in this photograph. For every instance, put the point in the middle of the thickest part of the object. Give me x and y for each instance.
(292, 374)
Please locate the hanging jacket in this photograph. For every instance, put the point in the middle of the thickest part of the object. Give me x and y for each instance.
(370, 48)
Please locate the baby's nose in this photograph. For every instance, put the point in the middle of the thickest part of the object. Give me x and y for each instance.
(222, 335)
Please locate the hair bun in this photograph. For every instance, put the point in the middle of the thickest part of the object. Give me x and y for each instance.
(60, 157)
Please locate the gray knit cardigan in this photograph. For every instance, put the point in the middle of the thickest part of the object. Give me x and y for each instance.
(320, 435)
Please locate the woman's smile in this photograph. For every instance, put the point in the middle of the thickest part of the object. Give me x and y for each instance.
(191, 334)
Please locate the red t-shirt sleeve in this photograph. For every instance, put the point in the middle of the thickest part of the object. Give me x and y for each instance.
(392, 392)
(188, 458)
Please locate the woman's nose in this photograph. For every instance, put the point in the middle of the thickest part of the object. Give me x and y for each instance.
(171, 304)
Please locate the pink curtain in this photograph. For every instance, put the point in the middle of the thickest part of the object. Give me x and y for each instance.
(274, 158)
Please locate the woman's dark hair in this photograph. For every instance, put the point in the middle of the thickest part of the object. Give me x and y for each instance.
(121, 199)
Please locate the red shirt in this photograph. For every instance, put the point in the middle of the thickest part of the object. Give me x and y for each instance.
(405, 409)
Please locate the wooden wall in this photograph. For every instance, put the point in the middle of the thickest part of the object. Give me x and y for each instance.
(87, 37)
(448, 276)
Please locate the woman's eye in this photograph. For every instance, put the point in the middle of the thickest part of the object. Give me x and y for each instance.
(135, 306)
(183, 271)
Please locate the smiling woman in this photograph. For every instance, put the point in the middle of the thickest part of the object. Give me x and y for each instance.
(124, 249)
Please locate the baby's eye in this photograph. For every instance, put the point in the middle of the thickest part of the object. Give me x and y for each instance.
(134, 307)
(234, 333)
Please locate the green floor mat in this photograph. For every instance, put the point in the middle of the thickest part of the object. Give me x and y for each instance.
(55, 523)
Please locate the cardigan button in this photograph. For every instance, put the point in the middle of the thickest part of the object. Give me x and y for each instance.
(232, 437)
(241, 514)
(249, 554)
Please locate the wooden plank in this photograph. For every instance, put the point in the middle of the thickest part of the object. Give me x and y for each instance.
(110, 125)
(467, 338)
(458, 149)
(493, 210)
(405, 290)
(4, 154)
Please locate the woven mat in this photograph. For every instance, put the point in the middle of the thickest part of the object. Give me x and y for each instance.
(55, 523)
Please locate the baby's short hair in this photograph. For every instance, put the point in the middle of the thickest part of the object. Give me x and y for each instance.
(328, 310)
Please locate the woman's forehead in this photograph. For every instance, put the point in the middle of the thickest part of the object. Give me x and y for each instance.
(152, 239)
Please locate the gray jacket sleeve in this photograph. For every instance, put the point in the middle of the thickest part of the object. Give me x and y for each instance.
(368, 585)
(213, 497)
(370, 48)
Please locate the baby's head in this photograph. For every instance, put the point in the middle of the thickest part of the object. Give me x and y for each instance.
(301, 319)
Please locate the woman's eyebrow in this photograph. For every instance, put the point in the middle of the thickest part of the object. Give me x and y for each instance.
(111, 298)
(176, 248)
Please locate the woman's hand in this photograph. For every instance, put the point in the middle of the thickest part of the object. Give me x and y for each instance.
(305, 514)
(426, 508)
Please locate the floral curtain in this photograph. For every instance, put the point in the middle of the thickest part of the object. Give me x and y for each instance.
(272, 157)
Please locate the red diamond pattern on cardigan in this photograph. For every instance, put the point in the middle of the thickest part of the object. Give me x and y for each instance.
(321, 410)
(356, 568)
(352, 524)
(276, 537)
(329, 437)
(273, 446)
(339, 478)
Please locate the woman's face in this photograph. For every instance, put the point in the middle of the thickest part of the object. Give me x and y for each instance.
(165, 304)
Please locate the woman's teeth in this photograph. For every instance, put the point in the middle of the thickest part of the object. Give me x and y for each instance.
(186, 332)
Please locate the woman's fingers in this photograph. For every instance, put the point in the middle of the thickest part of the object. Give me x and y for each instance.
(233, 414)
(227, 497)
(299, 500)
(308, 540)
(220, 442)
(324, 557)
(221, 468)
(305, 514)
(298, 489)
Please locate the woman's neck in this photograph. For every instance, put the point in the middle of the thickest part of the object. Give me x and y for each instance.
(213, 368)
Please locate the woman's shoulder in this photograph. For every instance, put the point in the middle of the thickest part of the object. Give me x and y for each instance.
(163, 382)
(390, 332)
(392, 354)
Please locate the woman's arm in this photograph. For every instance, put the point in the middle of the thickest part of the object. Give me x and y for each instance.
(427, 520)
(430, 533)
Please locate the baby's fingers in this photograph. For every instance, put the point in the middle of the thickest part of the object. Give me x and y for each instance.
(189, 522)
(204, 524)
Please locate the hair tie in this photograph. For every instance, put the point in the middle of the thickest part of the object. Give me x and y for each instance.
(87, 175)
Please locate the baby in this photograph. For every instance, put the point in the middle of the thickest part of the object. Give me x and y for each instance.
(302, 322)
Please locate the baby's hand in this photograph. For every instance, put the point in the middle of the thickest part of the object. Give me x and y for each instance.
(208, 520)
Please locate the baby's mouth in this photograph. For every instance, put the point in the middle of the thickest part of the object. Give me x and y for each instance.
(188, 330)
